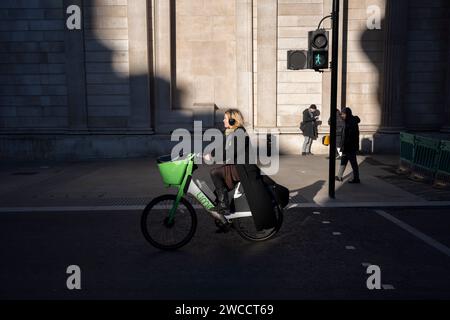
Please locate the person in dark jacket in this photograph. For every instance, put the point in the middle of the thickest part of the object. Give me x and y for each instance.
(350, 145)
(239, 168)
(309, 127)
(340, 125)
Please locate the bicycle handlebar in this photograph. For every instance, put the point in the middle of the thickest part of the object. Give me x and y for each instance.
(189, 156)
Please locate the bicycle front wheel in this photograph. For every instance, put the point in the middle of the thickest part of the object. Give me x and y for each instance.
(162, 233)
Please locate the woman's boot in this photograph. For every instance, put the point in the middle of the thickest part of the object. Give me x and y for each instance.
(221, 210)
(223, 205)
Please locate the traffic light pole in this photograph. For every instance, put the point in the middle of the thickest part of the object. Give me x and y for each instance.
(334, 93)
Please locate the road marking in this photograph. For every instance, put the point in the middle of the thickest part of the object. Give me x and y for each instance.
(428, 240)
(316, 213)
(436, 204)
(71, 209)
(388, 287)
(366, 264)
(291, 206)
(326, 222)
(350, 248)
(325, 204)
(79, 209)
(337, 234)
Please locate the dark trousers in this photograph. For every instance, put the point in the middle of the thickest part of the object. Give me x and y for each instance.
(225, 177)
(218, 178)
(351, 156)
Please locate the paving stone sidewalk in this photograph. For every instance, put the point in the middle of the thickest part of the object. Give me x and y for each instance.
(134, 182)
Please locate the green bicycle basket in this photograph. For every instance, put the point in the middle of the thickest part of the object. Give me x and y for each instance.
(172, 172)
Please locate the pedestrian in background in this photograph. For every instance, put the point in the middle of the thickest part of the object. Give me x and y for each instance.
(350, 145)
(309, 127)
(340, 125)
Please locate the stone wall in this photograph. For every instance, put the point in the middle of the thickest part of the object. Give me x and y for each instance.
(107, 63)
(205, 53)
(362, 63)
(296, 90)
(33, 84)
(139, 69)
(426, 77)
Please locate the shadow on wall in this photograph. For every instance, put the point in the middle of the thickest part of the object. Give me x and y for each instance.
(116, 123)
(160, 91)
(130, 88)
(372, 43)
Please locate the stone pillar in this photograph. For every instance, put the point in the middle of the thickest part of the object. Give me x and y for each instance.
(139, 65)
(244, 58)
(163, 60)
(395, 53)
(446, 127)
(76, 72)
(267, 63)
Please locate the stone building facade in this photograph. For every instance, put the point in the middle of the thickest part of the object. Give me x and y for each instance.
(138, 69)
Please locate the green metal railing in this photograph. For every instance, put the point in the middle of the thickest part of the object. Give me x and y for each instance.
(426, 152)
(407, 142)
(425, 158)
(443, 164)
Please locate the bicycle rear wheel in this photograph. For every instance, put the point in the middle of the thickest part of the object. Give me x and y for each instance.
(160, 232)
(245, 227)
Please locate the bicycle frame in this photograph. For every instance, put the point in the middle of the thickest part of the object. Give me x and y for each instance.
(190, 187)
(179, 174)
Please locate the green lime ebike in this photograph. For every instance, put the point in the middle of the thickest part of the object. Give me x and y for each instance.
(169, 222)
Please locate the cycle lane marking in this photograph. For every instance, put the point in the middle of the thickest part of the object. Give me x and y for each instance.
(418, 234)
(99, 208)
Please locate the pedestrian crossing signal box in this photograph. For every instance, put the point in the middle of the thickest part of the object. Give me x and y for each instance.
(316, 57)
(318, 46)
(297, 60)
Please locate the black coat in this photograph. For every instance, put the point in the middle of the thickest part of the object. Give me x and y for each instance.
(256, 190)
(309, 125)
(340, 126)
(351, 135)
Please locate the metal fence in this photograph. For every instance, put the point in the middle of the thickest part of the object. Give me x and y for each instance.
(443, 165)
(425, 159)
(406, 151)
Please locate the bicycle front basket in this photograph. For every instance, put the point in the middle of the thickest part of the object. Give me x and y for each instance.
(172, 172)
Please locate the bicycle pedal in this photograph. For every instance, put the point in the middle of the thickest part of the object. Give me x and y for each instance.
(223, 229)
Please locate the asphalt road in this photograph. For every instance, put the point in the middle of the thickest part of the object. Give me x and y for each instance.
(318, 254)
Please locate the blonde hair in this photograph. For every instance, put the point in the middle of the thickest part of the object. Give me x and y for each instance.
(237, 116)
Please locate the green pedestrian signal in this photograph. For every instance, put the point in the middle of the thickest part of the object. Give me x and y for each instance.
(318, 61)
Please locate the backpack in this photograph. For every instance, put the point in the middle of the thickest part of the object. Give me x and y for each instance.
(281, 193)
